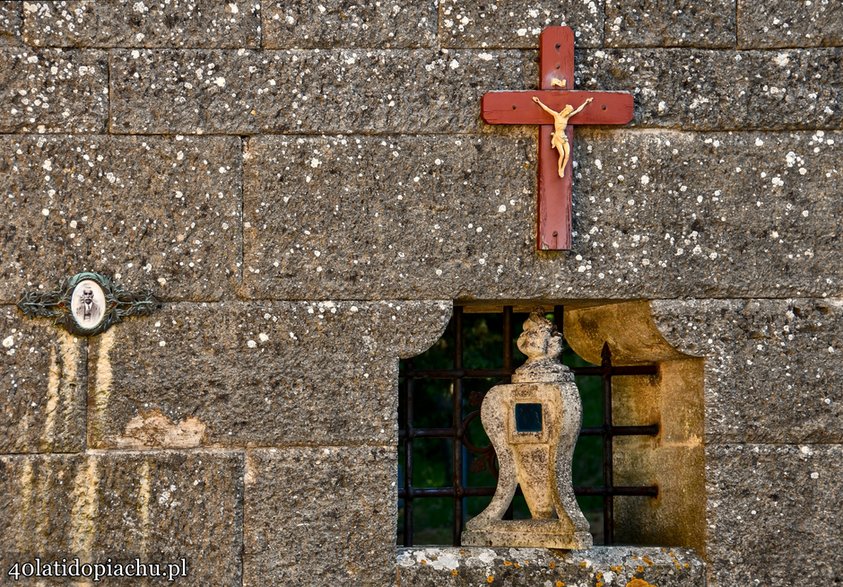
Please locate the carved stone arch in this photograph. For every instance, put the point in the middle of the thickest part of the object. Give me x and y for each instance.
(675, 459)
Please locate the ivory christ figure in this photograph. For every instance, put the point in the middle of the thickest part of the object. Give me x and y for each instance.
(560, 123)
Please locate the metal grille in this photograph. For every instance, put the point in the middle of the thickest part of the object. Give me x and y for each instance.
(457, 486)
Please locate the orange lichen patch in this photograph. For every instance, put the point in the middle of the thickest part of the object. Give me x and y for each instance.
(676, 562)
(616, 568)
(423, 561)
(551, 565)
(507, 564)
(454, 572)
(516, 566)
(647, 560)
(490, 579)
(599, 577)
(639, 569)
(636, 582)
(583, 564)
(560, 584)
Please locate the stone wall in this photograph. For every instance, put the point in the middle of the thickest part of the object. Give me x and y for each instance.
(309, 187)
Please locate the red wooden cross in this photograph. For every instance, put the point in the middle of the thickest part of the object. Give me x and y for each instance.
(556, 70)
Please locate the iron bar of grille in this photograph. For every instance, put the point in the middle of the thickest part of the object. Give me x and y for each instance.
(506, 372)
(608, 457)
(457, 422)
(489, 491)
(450, 492)
(408, 461)
(457, 432)
(507, 341)
(462, 373)
(428, 433)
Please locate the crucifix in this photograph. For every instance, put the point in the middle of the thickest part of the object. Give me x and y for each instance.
(555, 107)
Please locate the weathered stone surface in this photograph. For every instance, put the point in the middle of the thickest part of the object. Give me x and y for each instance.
(616, 566)
(790, 23)
(408, 91)
(158, 508)
(126, 23)
(158, 213)
(245, 92)
(42, 374)
(517, 23)
(774, 514)
(320, 516)
(772, 366)
(50, 90)
(258, 374)
(663, 23)
(10, 23)
(710, 90)
(375, 25)
(726, 214)
(364, 214)
(656, 215)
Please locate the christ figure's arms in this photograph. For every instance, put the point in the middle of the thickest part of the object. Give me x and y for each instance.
(550, 111)
(584, 104)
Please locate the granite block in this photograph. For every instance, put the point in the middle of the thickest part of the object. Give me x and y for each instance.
(158, 213)
(127, 23)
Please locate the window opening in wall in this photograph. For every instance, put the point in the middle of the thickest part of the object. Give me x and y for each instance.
(447, 466)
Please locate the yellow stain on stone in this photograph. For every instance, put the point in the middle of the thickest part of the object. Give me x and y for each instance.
(61, 383)
(102, 385)
(26, 481)
(70, 349)
(43, 487)
(143, 504)
(53, 382)
(85, 508)
(249, 477)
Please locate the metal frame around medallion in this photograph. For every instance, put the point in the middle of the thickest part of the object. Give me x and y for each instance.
(56, 304)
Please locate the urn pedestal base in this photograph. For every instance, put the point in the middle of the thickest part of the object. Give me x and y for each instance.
(527, 534)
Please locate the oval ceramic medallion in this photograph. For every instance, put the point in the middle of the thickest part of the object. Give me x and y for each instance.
(87, 304)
